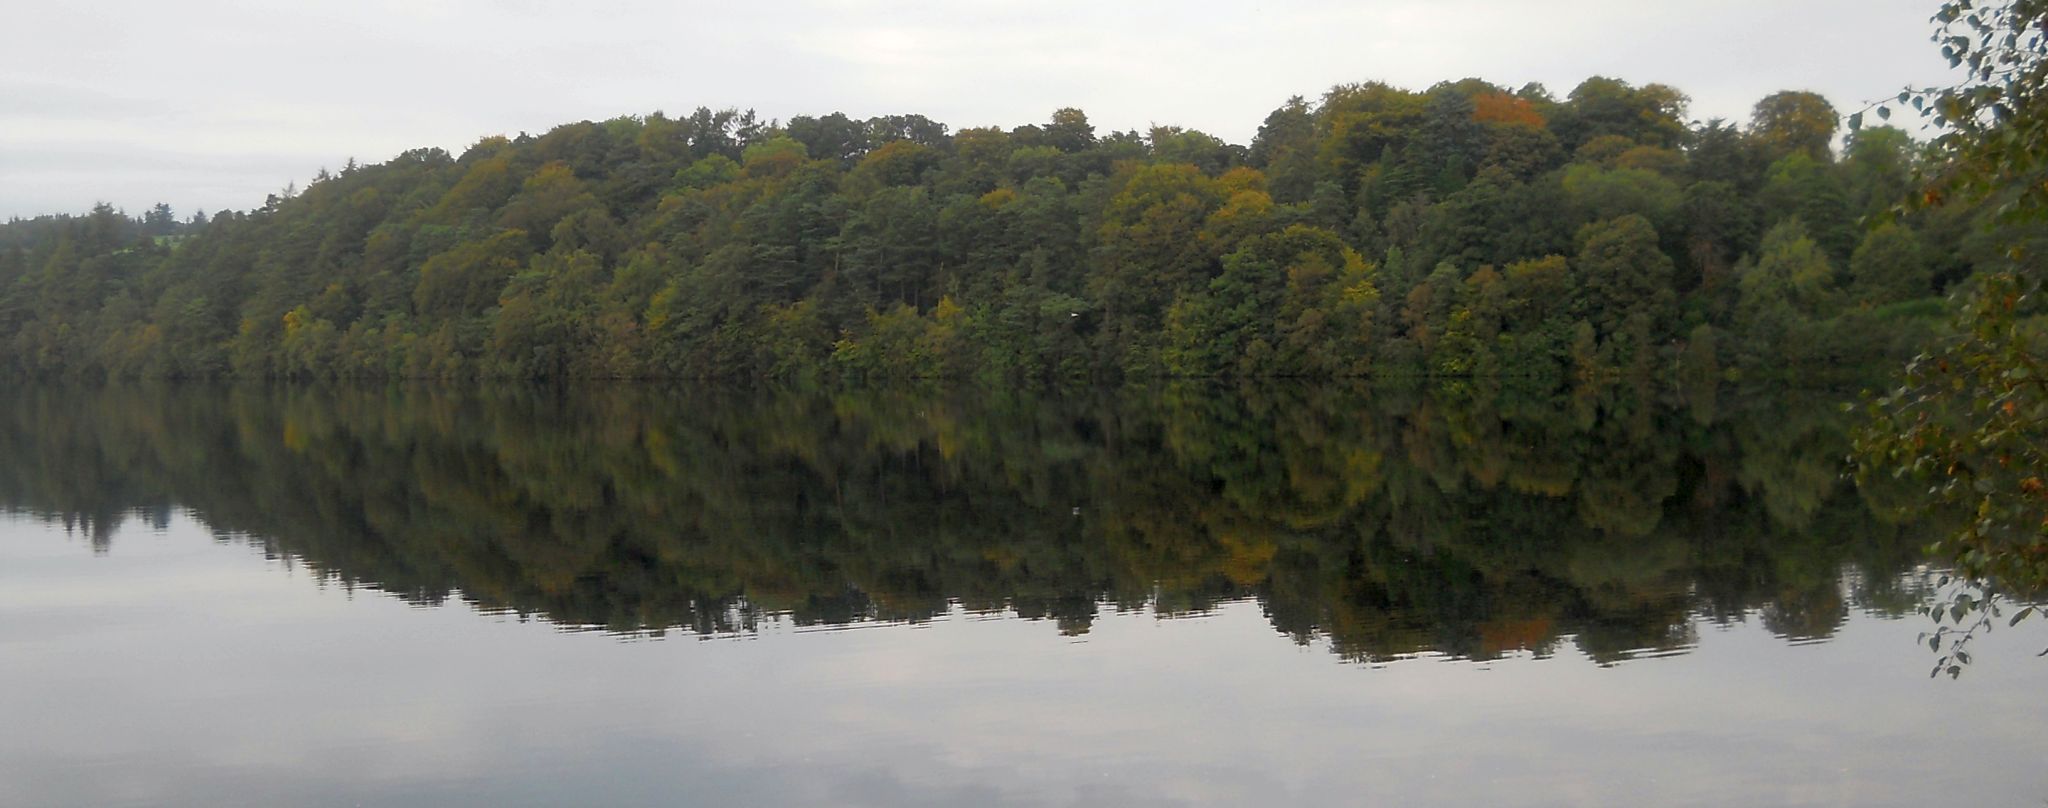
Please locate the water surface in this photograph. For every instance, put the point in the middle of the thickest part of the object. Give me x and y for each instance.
(1160, 596)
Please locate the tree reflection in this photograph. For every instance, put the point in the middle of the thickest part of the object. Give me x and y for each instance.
(1472, 520)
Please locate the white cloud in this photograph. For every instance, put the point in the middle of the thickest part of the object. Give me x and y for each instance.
(317, 82)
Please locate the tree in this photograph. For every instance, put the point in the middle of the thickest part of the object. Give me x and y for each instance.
(719, 244)
(1721, 153)
(1993, 125)
(551, 194)
(1790, 283)
(1652, 115)
(1285, 303)
(1880, 163)
(1621, 272)
(1601, 193)
(1285, 149)
(1811, 190)
(466, 280)
(1792, 269)
(1151, 251)
(1890, 266)
(1794, 121)
(1719, 225)
(1970, 419)
(1069, 130)
(833, 137)
(159, 220)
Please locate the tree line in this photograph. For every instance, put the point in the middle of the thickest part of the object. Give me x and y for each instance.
(1462, 230)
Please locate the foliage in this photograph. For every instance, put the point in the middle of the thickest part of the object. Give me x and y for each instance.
(1461, 230)
(1969, 420)
(1789, 122)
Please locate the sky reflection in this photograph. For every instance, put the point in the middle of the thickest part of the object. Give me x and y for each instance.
(181, 670)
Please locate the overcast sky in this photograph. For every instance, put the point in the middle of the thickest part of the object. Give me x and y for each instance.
(210, 104)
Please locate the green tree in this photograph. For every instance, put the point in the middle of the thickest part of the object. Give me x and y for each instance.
(1652, 115)
(1620, 273)
(1792, 269)
(1970, 419)
(1811, 190)
(1151, 252)
(1795, 121)
(467, 279)
(720, 244)
(1880, 163)
(1890, 266)
(1069, 130)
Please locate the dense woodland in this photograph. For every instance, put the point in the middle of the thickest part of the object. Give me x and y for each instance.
(1465, 230)
(1385, 519)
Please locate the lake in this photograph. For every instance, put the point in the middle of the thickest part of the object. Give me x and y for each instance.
(1434, 594)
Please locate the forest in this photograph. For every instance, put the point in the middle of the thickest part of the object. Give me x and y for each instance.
(1466, 230)
(1381, 519)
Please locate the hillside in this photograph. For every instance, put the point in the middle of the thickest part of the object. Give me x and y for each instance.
(1467, 229)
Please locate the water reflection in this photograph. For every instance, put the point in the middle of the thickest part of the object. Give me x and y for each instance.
(1471, 521)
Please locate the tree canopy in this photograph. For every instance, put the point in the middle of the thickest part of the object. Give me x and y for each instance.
(1462, 229)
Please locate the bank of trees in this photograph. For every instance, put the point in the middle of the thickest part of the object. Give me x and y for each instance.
(1466, 229)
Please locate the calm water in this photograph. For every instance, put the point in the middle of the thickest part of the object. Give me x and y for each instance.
(1159, 596)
